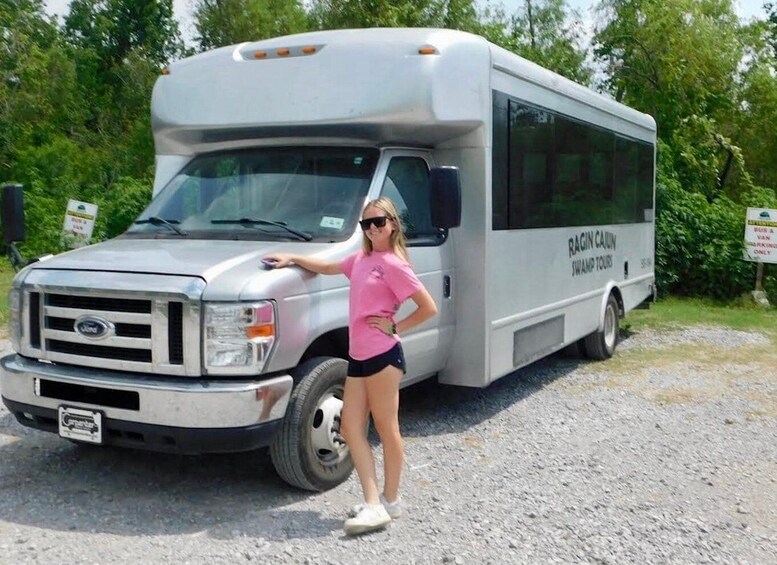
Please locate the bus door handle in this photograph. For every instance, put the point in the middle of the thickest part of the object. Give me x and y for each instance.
(446, 286)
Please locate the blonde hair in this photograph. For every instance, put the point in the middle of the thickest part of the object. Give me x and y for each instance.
(397, 239)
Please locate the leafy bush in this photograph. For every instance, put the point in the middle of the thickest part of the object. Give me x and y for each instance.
(62, 169)
(699, 244)
(122, 203)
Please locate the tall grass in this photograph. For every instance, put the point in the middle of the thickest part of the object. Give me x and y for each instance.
(671, 312)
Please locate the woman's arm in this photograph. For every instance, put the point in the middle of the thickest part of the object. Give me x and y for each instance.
(309, 263)
(426, 308)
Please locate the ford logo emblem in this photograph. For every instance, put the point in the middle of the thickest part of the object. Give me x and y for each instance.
(94, 327)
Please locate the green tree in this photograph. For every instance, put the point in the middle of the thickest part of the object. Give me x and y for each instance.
(678, 61)
(770, 8)
(115, 28)
(226, 22)
(548, 33)
(74, 111)
(343, 14)
(462, 15)
(31, 104)
(119, 47)
(755, 121)
(670, 58)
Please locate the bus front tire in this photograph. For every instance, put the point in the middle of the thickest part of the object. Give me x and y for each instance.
(308, 451)
(600, 345)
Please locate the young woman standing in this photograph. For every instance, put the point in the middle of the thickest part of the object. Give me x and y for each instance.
(381, 280)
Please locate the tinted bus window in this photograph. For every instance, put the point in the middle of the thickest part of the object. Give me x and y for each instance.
(551, 170)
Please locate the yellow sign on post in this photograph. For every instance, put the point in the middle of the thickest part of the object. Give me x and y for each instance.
(79, 222)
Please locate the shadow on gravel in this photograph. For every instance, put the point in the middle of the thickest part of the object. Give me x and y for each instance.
(49, 483)
(429, 408)
(6, 420)
(625, 333)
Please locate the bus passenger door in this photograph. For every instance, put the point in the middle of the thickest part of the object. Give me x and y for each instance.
(407, 185)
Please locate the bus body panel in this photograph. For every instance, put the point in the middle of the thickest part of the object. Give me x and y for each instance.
(565, 303)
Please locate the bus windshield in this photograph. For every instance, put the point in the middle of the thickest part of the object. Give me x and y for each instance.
(278, 193)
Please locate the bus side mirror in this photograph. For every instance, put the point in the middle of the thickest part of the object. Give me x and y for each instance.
(445, 197)
(13, 213)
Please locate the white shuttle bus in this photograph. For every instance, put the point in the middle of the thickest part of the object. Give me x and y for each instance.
(528, 202)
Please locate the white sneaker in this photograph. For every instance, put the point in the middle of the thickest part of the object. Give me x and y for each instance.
(394, 509)
(371, 517)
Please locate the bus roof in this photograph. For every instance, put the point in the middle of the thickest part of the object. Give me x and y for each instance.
(406, 86)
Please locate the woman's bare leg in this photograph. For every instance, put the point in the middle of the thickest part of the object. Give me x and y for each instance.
(382, 391)
(353, 427)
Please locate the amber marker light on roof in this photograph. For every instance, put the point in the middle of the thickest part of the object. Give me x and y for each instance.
(428, 50)
(260, 54)
(283, 52)
(165, 71)
(308, 50)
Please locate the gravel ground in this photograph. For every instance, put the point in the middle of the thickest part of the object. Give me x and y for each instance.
(564, 462)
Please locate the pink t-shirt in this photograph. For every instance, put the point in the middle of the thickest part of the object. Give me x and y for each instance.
(380, 282)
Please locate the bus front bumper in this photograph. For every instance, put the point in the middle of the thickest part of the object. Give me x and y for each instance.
(149, 412)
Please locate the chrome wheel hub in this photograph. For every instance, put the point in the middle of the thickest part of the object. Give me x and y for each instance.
(327, 443)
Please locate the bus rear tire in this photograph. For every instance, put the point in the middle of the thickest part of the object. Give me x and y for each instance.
(308, 451)
(600, 345)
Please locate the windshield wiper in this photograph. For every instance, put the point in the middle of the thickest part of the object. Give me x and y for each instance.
(256, 221)
(157, 221)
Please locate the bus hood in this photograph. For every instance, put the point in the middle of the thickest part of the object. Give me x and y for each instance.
(206, 259)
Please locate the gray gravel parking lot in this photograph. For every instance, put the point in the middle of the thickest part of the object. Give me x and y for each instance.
(627, 461)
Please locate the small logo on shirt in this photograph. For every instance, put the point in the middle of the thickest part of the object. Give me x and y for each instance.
(378, 272)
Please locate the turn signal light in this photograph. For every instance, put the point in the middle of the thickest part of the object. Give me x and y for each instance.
(265, 330)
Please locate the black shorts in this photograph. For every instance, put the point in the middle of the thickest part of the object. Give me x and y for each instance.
(369, 367)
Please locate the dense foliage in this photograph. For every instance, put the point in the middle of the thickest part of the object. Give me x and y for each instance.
(75, 123)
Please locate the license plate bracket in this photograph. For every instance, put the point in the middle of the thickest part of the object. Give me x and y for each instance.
(81, 424)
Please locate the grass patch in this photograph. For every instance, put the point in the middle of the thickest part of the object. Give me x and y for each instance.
(690, 367)
(6, 277)
(673, 313)
(698, 354)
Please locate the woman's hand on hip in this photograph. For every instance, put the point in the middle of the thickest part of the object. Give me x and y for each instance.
(386, 325)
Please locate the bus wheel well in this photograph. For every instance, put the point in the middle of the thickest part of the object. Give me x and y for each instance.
(330, 344)
(617, 294)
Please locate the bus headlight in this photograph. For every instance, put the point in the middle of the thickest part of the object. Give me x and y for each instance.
(238, 336)
(15, 318)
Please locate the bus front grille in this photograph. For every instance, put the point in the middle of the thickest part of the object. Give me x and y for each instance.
(147, 335)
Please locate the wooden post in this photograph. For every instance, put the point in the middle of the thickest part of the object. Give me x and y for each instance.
(759, 277)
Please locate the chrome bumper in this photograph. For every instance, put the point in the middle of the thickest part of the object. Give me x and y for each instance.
(174, 402)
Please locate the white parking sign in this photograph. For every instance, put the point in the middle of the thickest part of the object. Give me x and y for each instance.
(79, 220)
(761, 235)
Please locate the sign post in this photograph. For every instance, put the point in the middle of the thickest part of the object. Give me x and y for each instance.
(760, 244)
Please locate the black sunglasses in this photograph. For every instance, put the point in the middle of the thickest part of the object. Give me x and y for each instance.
(379, 222)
